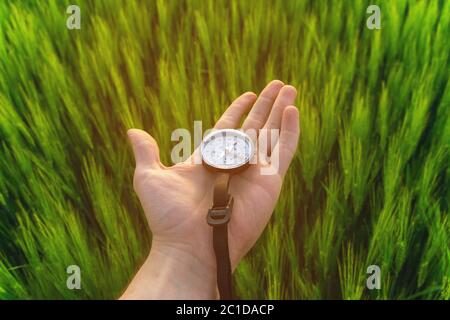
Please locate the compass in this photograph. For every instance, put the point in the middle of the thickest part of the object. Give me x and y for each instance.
(224, 151)
(227, 150)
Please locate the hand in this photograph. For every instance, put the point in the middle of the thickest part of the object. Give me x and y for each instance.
(176, 200)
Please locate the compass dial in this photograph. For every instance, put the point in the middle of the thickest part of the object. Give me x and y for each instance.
(227, 149)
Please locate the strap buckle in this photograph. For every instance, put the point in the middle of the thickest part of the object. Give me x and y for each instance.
(220, 215)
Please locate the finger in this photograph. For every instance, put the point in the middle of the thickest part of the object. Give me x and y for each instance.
(145, 149)
(287, 144)
(261, 109)
(286, 97)
(231, 118)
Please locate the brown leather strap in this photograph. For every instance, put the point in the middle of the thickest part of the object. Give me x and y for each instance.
(221, 196)
(224, 281)
(218, 217)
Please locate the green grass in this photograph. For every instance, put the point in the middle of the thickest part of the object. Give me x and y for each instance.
(368, 185)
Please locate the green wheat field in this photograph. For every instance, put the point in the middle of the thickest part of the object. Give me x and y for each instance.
(369, 184)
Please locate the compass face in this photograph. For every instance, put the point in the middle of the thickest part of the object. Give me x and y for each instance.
(227, 149)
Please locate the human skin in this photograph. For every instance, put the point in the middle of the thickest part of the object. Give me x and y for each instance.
(181, 263)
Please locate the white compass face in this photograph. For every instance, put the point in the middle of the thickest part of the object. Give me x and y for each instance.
(227, 149)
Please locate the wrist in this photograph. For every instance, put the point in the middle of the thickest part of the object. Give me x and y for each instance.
(172, 272)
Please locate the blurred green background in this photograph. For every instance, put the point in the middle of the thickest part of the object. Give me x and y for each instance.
(368, 186)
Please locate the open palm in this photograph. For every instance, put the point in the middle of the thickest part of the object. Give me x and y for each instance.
(176, 199)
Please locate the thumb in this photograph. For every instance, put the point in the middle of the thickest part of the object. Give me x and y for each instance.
(145, 148)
